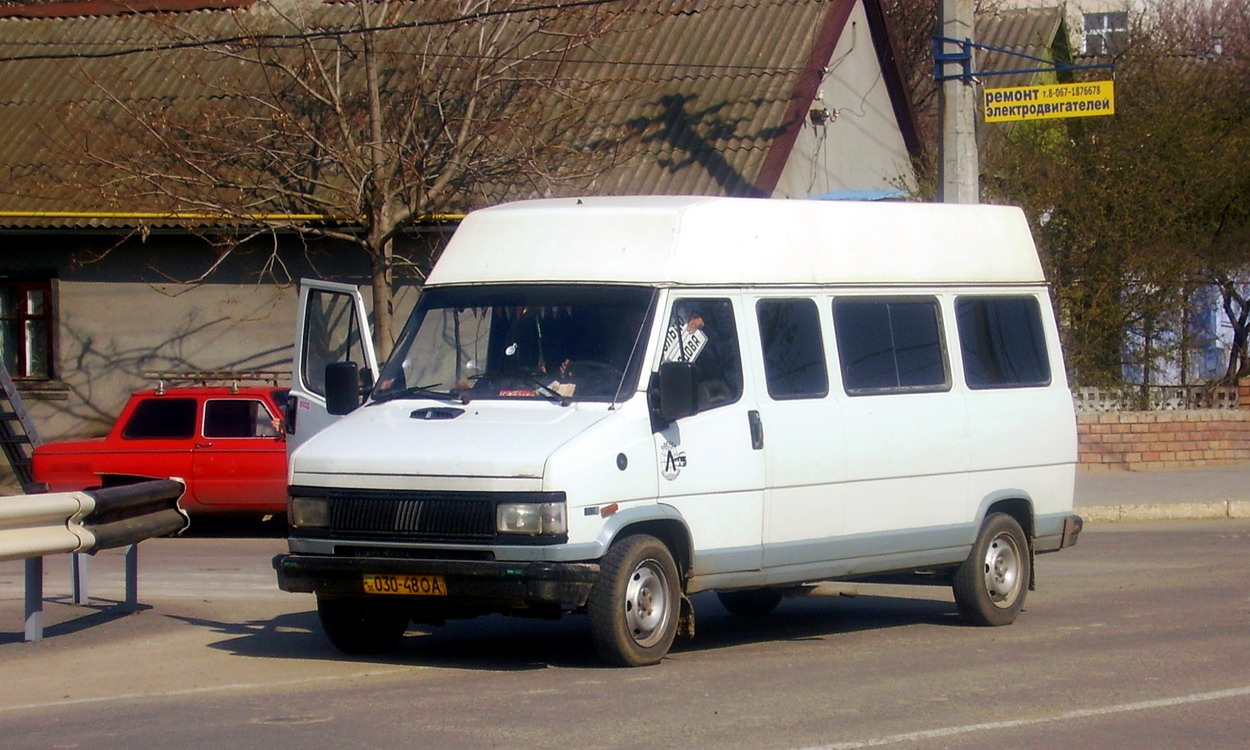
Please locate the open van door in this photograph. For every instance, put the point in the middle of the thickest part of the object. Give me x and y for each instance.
(332, 326)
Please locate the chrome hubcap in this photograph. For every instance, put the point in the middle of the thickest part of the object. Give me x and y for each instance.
(1002, 570)
(647, 603)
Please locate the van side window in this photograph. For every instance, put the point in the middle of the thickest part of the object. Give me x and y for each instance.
(794, 353)
(1002, 342)
(890, 345)
(702, 331)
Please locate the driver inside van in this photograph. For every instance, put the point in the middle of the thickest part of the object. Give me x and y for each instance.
(702, 332)
(685, 339)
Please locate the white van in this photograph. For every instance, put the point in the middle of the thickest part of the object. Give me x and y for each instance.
(606, 405)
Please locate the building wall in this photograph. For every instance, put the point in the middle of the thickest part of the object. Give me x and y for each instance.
(124, 309)
(111, 334)
(1076, 11)
(860, 146)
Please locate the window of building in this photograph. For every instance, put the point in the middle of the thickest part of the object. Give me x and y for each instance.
(1002, 341)
(1105, 33)
(26, 328)
(890, 345)
(794, 352)
(162, 419)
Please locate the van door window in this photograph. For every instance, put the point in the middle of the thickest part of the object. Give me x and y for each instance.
(333, 334)
(1002, 342)
(890, 345)
(794, 352)
(702, 331)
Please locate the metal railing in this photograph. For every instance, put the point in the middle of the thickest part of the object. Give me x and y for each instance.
(33, 526)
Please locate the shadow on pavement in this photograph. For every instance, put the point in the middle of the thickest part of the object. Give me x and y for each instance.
(497, 643)
(75, 618)
(234, 527)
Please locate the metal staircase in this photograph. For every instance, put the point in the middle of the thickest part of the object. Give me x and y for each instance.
(18, 436)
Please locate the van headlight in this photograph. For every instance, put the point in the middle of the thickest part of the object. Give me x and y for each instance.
(533, 519)
(309, 512)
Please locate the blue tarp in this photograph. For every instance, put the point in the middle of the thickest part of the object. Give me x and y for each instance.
(879, 194)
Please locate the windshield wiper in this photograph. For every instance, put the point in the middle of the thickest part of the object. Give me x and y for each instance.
(548, 392)
(420, 391)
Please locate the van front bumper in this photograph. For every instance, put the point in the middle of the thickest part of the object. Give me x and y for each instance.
(503, 585)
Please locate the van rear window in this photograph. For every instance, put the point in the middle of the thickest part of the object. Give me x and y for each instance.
(1002, 342)
(890, 345)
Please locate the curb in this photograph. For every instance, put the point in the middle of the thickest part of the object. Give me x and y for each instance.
(1217, 510)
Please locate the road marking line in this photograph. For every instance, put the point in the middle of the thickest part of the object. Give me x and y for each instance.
(1084, 713)
(198, 691)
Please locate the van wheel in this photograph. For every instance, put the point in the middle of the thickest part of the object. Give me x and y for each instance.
(750, 602)
(991, 584)
(360, 626)
(635, 602)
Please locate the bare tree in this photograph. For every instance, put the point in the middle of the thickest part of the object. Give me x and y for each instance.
(1134, 211)
(352, 121)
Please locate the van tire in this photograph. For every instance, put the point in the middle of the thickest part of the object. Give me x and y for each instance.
(635, 603)
(750, 602)
(990, 586)
(360, 626)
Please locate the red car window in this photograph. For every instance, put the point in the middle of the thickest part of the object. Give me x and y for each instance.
(237, 418)
(161, 419)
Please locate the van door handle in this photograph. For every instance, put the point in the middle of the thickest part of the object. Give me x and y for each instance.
(757, 430)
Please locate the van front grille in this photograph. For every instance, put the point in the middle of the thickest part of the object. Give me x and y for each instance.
(421, 516)
(425, 518)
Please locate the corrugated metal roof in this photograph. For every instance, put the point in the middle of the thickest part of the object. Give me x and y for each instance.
(1030, 31)
(707, 85)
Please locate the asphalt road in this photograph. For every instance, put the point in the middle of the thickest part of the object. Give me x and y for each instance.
(1138, 637)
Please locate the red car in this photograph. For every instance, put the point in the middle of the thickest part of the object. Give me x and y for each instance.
(227, 443)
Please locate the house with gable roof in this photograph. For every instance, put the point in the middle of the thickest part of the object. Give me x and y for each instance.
(782, 99)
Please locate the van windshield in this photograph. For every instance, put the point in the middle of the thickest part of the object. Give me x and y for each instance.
(557, 343)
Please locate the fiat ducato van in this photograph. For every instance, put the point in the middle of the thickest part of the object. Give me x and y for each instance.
(604, 406)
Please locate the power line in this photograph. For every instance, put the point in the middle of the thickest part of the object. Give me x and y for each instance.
(309, 35)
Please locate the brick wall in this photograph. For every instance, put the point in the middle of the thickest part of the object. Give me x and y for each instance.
(1142, 440)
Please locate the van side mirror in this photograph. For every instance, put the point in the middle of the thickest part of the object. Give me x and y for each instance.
(677, 391)
(342, 387)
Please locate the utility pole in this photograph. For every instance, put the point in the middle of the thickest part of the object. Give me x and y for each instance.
(958, 170)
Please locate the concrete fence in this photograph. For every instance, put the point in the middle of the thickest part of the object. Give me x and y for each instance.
(1168, 437)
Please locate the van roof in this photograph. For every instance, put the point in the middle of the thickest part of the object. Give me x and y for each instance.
(694, 241)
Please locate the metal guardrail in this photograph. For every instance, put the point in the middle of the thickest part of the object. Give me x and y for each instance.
(33, 526)
(90, 520)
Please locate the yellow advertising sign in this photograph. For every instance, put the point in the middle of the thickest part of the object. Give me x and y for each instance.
(1091, 99)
